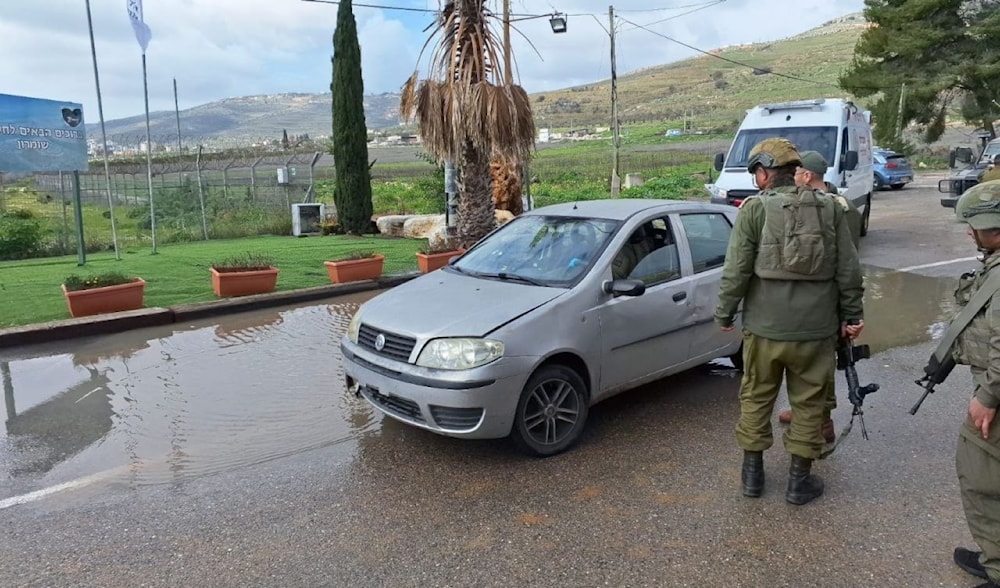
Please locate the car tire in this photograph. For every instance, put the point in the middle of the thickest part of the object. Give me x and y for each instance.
(865, 217)
(896, 186)
(551, 412)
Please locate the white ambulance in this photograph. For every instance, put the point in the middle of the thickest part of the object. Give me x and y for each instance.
(836, 128)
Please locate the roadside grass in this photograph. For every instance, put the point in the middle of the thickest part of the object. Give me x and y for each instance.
(30, 289)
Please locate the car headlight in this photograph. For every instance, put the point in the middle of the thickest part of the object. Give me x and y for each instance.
(354, 326)
(459, 353)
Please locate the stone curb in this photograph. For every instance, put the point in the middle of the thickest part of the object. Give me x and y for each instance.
(116, 322)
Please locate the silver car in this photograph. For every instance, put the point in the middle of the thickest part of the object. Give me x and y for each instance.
(558, 309)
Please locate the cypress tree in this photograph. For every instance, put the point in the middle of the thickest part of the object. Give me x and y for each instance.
(353, 189)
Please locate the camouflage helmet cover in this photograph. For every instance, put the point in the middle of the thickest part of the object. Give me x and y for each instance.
(775, 152)
(980, 206)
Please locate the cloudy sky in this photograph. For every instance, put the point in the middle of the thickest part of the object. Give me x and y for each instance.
(224, 48)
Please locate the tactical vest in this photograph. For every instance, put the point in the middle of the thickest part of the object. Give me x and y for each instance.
(972, 347)
(798, 241)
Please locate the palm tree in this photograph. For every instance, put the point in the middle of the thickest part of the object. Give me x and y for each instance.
(466, 112)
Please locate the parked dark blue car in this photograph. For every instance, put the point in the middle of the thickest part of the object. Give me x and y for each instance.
(891, 169)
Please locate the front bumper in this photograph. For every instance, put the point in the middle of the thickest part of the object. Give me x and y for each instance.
(471, 404)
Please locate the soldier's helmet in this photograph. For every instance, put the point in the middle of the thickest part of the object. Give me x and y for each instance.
(775, 152)
(980, 206)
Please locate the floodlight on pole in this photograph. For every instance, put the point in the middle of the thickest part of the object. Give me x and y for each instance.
(558, 23)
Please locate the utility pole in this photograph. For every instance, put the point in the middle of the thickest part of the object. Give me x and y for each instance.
(177, 114)
(899, 114)
(616, 182)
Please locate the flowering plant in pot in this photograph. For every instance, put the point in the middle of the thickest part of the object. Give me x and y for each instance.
(244, 274)
(355, 266)
(431, 257)
(102, 293)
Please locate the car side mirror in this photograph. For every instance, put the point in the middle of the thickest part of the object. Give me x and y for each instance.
(960, 155)
(850, 161)
(624, 287)
(720, 160)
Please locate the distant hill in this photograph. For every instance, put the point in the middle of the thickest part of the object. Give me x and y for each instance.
(703, 91)
(247, 119)
(711, 90)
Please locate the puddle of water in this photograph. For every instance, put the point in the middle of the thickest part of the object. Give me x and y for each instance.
(903, 309)
(166, 405)
(183, 403)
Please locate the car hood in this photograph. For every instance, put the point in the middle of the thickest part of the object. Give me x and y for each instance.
(449, 304)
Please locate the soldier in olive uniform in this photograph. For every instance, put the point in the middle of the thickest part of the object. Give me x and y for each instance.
(977, 460)
(810, 173)
(799, 291)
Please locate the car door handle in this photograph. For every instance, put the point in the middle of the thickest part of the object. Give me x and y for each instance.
(680, 296)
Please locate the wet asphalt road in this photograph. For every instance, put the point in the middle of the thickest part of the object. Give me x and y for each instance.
(228, 454)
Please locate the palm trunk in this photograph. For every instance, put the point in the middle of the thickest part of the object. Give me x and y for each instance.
(475, 201)
(507, 185)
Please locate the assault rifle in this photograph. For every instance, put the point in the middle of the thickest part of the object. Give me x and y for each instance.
(847, 355)
(935, 372)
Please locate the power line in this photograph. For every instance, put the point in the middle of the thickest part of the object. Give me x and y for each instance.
(753, 67)
(401, 8)
(695, 8)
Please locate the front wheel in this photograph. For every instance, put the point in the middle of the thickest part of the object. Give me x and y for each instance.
(551, 412)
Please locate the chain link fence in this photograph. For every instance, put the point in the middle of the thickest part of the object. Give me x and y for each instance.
(199, 194)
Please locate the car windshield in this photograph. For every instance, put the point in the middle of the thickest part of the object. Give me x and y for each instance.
(821, 139)
(541, 250)
(991, 151)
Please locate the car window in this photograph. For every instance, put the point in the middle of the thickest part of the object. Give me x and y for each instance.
(552, 250)
(708, 237)
(649, 255)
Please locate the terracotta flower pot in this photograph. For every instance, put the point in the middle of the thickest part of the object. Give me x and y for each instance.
(353, 270)
(244, 282)
(428, 262)
(106, 299)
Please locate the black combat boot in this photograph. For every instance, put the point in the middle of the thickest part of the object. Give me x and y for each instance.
(802, 486)
(753, 473)
(968, 560)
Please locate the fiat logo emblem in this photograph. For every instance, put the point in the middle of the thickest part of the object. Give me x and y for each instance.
(379, 342)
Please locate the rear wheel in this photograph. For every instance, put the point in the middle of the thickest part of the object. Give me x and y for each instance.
(551, 413)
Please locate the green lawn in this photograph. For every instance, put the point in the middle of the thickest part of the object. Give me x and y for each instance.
(30, 292)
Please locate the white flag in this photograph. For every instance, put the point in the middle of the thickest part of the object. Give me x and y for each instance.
(142, 32)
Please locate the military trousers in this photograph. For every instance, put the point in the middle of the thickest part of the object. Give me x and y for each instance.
(831, 393)
(807, 368)
(979, 481)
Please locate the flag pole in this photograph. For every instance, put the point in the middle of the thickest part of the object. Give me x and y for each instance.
(104, 135)
(149, 155)
(143, 35)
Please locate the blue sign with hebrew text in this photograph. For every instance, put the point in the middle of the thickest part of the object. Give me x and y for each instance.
(39, 135)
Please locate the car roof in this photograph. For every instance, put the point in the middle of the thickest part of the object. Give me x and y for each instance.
(624, 208)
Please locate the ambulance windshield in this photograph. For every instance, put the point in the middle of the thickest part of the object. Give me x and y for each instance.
(821, 139)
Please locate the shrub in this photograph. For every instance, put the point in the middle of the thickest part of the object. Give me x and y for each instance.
(21, 234)
(248, 261)
(356, 255)
(441, 247)
(74, 282)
